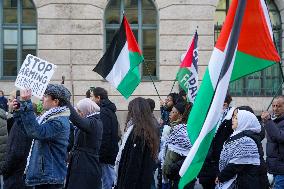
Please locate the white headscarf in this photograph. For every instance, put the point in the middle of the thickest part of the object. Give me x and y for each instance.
(87, 107)
(242, 150)
(247, 121)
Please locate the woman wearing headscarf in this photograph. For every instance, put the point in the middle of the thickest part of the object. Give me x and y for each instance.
(84, 169)
(240, 160)
(137, 155)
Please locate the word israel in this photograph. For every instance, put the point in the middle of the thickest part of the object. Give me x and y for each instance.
(35, 74)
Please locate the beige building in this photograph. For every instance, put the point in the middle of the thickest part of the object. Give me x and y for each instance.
(73, 34)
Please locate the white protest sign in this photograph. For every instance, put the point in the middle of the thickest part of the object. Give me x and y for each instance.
(35, 74)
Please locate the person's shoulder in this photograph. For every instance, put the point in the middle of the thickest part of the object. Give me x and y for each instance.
(279, 121)
(3, 114)
(60, 121)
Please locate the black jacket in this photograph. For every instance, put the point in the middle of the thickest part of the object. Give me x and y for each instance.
(18, 148)
(109, 146)
(84, 170)
(249, 176)
(210, 167)
(275, 145)
(136, 165)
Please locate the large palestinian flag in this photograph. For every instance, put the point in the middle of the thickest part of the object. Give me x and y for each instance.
(120, 64)
(245, 46)
(187, 75)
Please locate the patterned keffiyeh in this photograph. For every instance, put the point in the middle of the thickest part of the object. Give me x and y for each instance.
(53, 111)
(178, 140)
(125, 136)
(240, 151)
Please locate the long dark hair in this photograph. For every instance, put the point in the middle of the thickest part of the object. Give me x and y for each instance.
(139, 112)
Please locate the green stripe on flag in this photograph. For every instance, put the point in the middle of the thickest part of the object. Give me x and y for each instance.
(132, 78)
(197, 161)
(129, 82)
(135, 59)
(246, 64)
(201, 107)
(199, 112)
(182, 77)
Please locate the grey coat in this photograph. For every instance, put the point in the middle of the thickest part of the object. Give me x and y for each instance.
(275, 145)
(3, 135)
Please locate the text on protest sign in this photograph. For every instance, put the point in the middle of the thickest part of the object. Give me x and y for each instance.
(35, 74)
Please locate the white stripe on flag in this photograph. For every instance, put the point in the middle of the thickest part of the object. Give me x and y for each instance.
(215, 65)
(267, 18)
(216, 106)
(120, 67)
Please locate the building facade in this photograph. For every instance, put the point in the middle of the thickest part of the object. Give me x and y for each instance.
(73, 34)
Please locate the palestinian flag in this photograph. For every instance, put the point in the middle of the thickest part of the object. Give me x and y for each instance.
(187, 75)
(120, 64)
(245, 46)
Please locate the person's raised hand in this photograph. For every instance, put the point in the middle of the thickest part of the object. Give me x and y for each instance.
(15, 104)
(26, 94)
(265, 116)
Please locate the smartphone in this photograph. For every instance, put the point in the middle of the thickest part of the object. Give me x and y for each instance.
(18, 94)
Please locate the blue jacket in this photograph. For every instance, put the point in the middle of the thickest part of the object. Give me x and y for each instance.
(47, 163)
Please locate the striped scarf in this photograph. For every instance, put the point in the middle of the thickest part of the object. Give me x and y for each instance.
(239, 151)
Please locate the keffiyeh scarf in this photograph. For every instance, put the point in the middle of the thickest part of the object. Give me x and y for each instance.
(240, 151)
(124, 140)
(51, 112)
(178, 140)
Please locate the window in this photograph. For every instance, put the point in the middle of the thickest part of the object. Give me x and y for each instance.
(262, 83)
(18, 35)
(142, 16)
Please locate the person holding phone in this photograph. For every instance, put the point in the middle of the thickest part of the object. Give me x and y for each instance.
(46, 166)
(17, 150)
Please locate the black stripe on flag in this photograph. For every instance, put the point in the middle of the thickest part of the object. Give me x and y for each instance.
(234, 37)
(195, 52)
(106, 63)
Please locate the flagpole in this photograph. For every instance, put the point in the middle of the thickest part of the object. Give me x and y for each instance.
(173, 85)
(280, 86)
(148, 70)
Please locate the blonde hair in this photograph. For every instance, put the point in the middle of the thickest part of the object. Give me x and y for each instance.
(13, 94)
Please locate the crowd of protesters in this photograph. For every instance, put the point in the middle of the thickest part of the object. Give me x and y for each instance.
(54, 145)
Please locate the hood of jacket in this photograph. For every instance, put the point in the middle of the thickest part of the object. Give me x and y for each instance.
(107, 104)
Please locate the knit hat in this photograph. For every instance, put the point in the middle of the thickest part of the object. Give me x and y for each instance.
(180, 107)
(58, 92)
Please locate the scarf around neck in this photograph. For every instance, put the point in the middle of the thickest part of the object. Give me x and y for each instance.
(121, 148)
(178, 140)
(42, 119)
(51, 112)
(241, 150)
